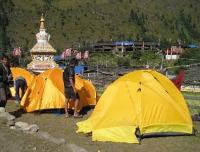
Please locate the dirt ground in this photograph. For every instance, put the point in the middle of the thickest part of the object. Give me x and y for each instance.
(61, 127)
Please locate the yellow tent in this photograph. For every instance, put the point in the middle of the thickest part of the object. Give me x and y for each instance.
(46, 91)
(140, 103)
(87, 93)
(21, 72)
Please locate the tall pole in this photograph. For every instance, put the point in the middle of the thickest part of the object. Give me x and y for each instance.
(167, 54)
(106, 61)
(97, 66)
(88, 68)
(171, 53)
(64, 61)
(19, 62)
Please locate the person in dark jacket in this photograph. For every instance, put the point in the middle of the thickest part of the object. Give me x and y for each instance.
(5, 75)
(20, 83)
(70, 90)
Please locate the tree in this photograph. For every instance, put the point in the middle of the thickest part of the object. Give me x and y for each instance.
(164, 44)
(150, 56)
(190, 56)
(136, 55)
(132, 16)
(125, 61)
(4, 41)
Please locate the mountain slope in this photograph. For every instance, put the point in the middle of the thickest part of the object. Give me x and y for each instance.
(80, 23)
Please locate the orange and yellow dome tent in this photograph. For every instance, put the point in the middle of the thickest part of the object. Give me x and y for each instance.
(140, 103)
(17, 71)
(46, 91)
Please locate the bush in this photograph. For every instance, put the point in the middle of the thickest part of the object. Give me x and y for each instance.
(125, 61)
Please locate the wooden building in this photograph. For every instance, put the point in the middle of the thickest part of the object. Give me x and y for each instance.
(125, 46)
(174, 51)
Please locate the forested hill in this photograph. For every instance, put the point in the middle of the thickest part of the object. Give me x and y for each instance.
(85, 22)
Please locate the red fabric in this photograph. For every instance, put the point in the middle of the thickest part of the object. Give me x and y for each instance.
(86, 55)
(78, 56)
(16, 52)
(68, 52)
(143, 44)
(179, 80)
(62, 55)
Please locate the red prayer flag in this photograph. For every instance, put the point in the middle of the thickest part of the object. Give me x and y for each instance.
(68, 52)
(86, 55)
(16, 52)
(62, 55)
(78, 56)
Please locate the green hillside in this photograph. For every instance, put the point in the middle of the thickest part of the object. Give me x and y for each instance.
(82, 23)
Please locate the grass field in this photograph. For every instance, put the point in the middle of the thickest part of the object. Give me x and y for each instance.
(61, 127)
(197, 94)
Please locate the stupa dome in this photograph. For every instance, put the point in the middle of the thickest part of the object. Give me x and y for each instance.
(42, 36)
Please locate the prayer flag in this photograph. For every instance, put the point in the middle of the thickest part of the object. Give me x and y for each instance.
(68, 52)
(78, 56)
(143, 44)
(86, 55)
(16, 52)
(62, 55)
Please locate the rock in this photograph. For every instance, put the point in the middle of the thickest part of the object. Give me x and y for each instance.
(10, 123)
(75, 148)
(12, 127)
(3, 114)
(2, 109)
(58, 141)
(21, 125)
(44, 135)
(30, 129)
(48, 137)
(26, 128)
(10, 117)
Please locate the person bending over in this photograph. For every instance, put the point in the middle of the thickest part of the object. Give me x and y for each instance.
(20, 83)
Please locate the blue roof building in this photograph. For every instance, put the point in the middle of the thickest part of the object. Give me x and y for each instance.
(193, 46)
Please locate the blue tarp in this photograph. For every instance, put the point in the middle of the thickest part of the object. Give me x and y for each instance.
(56, 57)
(77, 69)
(193, 46)
(62, 67)
(125, 43)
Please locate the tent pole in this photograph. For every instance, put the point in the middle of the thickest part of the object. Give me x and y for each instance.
(88, 67)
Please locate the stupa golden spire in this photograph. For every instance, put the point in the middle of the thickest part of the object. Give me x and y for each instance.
(42, 20)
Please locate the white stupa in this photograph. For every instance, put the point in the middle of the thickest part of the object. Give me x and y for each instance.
(42, 53)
